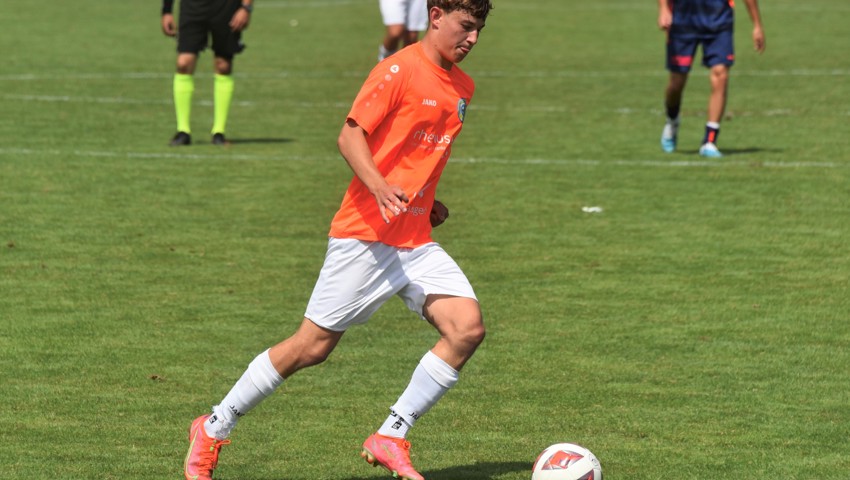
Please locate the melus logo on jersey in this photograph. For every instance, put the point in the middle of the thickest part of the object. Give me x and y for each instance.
(422, 136)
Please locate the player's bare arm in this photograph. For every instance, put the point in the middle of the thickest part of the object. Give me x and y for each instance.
(759, 43)
(665, 15)
(354, 149)
(168, 25)
(242, 17)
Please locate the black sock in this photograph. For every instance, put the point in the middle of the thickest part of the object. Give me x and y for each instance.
(673, 112)
(712, 131)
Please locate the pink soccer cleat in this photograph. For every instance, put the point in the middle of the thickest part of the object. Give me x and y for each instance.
(392, 454)
(203, 452)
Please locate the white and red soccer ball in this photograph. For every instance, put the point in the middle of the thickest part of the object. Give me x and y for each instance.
(566, 461)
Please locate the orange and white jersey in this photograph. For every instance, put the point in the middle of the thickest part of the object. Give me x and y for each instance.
(412, 111)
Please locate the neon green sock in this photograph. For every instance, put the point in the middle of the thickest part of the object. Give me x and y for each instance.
(184, 87)
(223, 95)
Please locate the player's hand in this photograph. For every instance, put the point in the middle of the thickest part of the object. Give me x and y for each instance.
(665, 19)
(391, 200)
(240, 20)
(758, 40)
(168, 25)
(439, 213)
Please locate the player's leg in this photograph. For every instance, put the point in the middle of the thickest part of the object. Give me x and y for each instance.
(719, 78)
(222, 97)
(410, 37)
(393, 36)
(226, 44)
(672, 104)
(673, 94)
(461, 328)
(441, 294)
(417, 21)
(680, 57)
(191, 40)
(308, 346)
(719, 56)
(343, 296)
(393, 16)
(184, 89)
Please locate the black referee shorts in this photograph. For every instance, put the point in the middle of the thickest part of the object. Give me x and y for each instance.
(200, 23)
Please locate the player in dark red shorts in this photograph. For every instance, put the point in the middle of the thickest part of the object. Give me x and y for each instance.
(200, 20)
(710, 23)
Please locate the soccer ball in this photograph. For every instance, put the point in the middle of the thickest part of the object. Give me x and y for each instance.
(566, 461)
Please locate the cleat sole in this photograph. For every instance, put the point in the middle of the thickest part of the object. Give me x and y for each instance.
(371, 460)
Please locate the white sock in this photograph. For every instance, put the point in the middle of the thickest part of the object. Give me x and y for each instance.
(384, 53)
(394, 426)
(431, 379)
(258, 382)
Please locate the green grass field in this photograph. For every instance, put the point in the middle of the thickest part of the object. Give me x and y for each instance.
(696, 328)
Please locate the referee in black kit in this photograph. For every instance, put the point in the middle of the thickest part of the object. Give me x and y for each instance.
(224, 21)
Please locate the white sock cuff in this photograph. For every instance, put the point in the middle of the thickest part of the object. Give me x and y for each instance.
(263, 374)
(439, 370)
(713, 125)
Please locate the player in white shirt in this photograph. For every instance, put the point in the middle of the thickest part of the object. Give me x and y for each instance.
(404, 20)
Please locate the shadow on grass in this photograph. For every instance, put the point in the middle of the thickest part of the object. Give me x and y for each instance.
(734, 151)
(237, 141)
(478, 471)
(738, 151)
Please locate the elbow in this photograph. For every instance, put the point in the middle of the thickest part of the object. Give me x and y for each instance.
(340, 142)
(344, 139)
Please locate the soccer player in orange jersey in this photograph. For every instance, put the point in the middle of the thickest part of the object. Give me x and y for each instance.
(397, 139)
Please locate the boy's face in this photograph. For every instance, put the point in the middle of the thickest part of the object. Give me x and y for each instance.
(457, 32)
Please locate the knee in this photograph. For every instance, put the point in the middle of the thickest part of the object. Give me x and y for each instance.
(313, 355)
(185, 69)
(223, 66)
(719, 76)
(677, 83)
(472, 332)
(395, 33)
(186, 64)
(476, 335)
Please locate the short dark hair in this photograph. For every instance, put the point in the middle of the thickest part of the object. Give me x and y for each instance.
(477, 8)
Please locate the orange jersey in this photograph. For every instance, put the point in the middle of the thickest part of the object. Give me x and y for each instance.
(412, 112)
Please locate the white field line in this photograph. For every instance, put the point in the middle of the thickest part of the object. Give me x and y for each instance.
(798, 72)
(311, 4)
(123, 100)
(21, 152)
(168, 101)
(781, 112)
(596, 5)
(631, 5)
(544, 74)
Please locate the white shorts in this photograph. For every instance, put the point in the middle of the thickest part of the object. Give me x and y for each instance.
(358, 277)
(413, 14)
